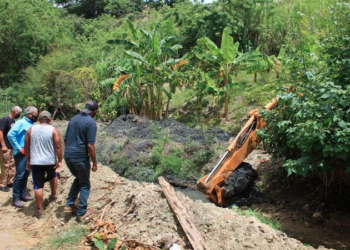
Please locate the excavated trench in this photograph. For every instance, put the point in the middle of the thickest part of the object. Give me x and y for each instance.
(135, 138)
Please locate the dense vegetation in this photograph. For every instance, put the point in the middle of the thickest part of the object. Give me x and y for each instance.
(161, 58)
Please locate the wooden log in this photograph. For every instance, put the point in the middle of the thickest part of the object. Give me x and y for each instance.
(192, 233)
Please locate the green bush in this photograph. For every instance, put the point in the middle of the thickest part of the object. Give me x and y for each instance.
(310, 132)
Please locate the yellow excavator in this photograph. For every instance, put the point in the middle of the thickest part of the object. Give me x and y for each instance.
(212, 184)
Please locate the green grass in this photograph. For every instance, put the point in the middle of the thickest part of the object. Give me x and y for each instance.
(71, 237)
(274, 223)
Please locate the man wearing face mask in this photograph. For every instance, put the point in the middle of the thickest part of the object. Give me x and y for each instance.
(16, 137)
(80, 140)
(7, 171)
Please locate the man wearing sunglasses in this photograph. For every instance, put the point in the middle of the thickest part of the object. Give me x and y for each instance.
(16, 137)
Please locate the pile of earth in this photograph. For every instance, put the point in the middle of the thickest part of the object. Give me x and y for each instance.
(127, 145)
(141, 212)
(133, 126)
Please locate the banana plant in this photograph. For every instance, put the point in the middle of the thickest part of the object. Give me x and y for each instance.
(153, 56)
(225, 61)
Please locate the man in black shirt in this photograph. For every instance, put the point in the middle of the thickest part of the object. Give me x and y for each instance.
(7, 172)
(80, 140)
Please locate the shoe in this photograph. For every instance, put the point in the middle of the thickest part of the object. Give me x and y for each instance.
(5, 189)
(10, 185)
(18, 203)
(70, 208)
(39, 214)
(27, 198)
(52, 198)
(81, 219)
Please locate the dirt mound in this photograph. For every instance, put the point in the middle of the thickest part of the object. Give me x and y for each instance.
(141, 212)
(137, 148)
(133, 126)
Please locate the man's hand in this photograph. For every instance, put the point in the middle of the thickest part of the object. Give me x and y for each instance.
(4, 149)
(58, 167)
(23, 152)
(28, 166)
(94, 167)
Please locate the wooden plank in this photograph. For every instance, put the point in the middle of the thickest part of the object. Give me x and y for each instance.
(192, 233)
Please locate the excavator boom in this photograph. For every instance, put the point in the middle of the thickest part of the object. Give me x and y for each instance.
(244, 143)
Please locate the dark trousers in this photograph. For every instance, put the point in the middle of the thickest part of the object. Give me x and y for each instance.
(81, 184)
(21, 177)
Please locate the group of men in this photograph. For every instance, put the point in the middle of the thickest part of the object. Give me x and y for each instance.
(28, 146)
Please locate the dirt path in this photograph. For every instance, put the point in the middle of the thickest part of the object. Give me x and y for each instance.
(18, 229)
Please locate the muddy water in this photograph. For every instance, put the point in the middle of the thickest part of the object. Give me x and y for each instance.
(192, 194)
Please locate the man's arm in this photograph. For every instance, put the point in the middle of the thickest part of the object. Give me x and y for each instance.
(91, 138)
(12, 134)
(58, 148)
(2, 141)
(28, 140)
(92, 154)
(66, 135)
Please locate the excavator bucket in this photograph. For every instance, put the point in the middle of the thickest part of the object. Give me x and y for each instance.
(245, 142)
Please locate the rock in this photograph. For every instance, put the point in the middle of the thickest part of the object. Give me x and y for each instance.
(269, 238)
(248, 245)
(317, 215)
(306, 207)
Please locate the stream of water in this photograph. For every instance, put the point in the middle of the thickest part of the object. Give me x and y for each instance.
(192, 194)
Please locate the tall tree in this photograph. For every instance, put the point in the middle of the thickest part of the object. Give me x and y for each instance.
(27, 30)
(86, 8)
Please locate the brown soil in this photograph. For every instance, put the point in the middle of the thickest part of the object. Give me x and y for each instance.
(140, 212)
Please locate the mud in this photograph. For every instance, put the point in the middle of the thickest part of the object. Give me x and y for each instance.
(133, 126)
(127, 145)
(239, 185)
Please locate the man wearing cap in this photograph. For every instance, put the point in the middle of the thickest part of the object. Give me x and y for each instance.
(16, 137)
(80, 140)
(42, 147)
(7, 162)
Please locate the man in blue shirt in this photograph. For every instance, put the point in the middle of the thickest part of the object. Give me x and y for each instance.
(16, 137)
(80, 140)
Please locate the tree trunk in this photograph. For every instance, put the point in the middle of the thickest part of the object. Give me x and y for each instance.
(219, 106)
(255, 77)
(133, 105)
(141, 98)
(160, 104)
(226, 104)
(186, 221)
(147, 111)
(153, 113)
(226, 95)
(167, 108)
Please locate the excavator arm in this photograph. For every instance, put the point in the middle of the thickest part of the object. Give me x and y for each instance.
(244, 143)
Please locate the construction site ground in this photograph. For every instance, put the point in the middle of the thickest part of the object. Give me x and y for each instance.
(140, 212)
